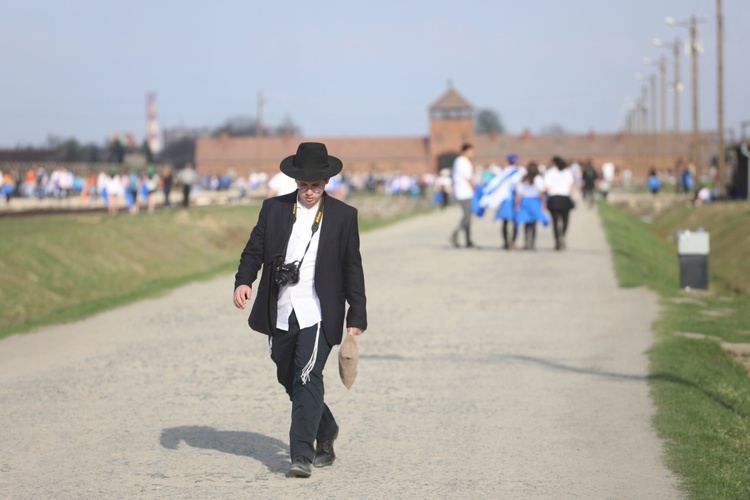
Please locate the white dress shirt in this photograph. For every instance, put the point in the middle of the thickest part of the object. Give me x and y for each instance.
(301, 297)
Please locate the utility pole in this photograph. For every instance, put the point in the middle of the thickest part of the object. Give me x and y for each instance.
(692, 25)
(259, 121)
(259, 128)
(677, 91)
(631, 142)
(694, 75)
(653, 137)
(645, 134)
(720, 166)
(663, 77)
(653, 103)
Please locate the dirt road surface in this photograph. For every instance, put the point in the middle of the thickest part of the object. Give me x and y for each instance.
(483, 374)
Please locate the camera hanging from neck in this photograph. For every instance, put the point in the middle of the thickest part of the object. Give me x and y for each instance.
(314, 228)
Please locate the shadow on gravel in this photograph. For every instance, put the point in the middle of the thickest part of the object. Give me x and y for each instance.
(269, 451)
(733, 406)
(657, 377)
(575, 369)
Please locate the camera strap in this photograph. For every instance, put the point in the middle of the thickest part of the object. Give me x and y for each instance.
(314, 228)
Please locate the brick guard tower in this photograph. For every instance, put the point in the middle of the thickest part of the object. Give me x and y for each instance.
(451, 125)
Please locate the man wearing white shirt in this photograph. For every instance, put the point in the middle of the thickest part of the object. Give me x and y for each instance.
(307, 244)
(463, 191)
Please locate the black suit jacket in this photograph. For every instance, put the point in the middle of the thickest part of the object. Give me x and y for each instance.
(339, 277)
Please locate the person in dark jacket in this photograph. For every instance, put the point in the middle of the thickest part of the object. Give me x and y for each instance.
(306, 246)
(167, 182)
(589, 178)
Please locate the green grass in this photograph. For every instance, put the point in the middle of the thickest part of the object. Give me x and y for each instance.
(728, 225)
(641, 258)
(60, 268)
(56, 269)
(701, 392)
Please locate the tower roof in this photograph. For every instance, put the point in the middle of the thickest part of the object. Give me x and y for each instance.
(451, 100)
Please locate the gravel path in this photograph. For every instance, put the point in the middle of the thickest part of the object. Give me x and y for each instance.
(484, 374)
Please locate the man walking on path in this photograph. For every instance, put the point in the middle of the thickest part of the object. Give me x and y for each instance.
(307, 244)
(463, 190)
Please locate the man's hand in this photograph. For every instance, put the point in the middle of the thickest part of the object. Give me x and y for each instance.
(353, 330)
(241, 295)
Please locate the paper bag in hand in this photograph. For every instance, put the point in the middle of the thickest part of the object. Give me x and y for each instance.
(348, 357)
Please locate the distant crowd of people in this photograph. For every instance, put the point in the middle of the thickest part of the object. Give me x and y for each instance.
(522, 196)
(137, 188)
(133, 188)
(39, 183)
(684, 179)
(342, 186)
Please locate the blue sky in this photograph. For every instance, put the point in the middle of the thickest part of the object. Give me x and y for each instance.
(82, 68)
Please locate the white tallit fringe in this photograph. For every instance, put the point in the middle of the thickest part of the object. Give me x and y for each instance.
(311, 364)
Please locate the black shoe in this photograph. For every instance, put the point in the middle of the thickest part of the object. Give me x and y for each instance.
(300, 467)
(454, 241)
(324, 455)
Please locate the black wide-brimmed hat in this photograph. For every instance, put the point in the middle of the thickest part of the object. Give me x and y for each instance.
(311, 163)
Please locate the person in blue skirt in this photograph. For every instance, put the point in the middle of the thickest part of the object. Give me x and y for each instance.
(502, 189)
(529, 204)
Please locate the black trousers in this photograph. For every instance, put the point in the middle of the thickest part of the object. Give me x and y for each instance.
(559, 225)
(186, 195)
(292, 351)
(509, 236)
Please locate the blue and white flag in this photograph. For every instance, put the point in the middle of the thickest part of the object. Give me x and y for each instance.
(501, 187)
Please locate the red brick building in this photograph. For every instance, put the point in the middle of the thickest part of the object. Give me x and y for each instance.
(451, 123)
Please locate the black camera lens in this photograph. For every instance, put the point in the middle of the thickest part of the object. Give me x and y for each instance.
(286, 274)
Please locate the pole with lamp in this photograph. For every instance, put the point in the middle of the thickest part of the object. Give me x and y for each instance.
(694, 49)
(629, 145)
(659, 142)
(677, 87)
(259, 128)
(640, 112)
(720, 164)
(644, 126)
(660, 134)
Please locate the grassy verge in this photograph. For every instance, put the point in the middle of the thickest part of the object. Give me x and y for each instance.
(61, 268)
(56, 269)
(729, 228)
(701, 390)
